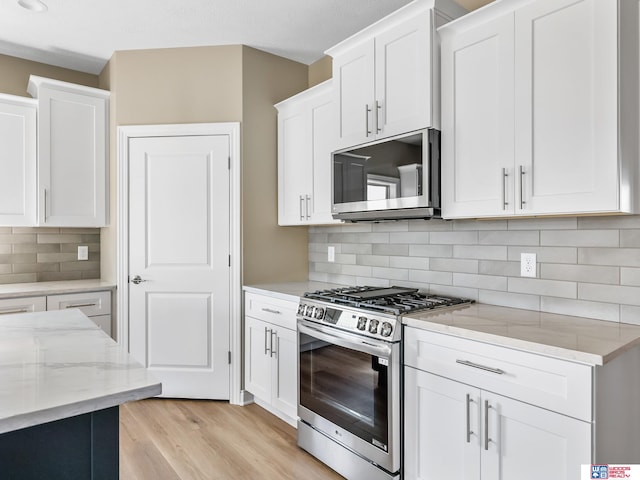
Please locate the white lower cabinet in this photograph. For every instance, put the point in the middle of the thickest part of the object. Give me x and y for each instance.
(9, 306)
(454, 430)
(95, 305)
(271, 354)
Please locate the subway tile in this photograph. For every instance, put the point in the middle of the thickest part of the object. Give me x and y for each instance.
(345, 258)
(80, 231)
(414, 263)
(390, 273)
(356, 270)
(515, 237)
(629, 314)
(390, 249)
(630, 276)
(373, 282)
(373, 260)
(6, 249)
(316, 276)
(613, 221)
(455, 291)
(59, 276)
(402, 226)
(629, 257)
(458, 265)
(580, 238)
(356, 227)
(335, 268)
(486, 282)
(36, 248)
(35, 230)
(59, 238)
(87, 239)
(18, 278)
(454, 238)
(497, 267)
(481, 252)
(506, 299)
(428, 276)
(318, 237)
(580, 273)
(624, 295)
(549, 288)
(430, 250)
(90, 274)
(581, 308)
(433, 225)
(82, 266)
(479, 225)
(20, 238)
(409, 237)
(379, 237)
(559, 223)
(318, 248)
(5, 268)
(56, 257)
(356, 248)
(18, 258)
(317, 257)
(545, 254)
(35, 267)
(5, 230)
(630, 238)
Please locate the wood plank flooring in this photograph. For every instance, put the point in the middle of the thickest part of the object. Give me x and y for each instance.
(166, 439)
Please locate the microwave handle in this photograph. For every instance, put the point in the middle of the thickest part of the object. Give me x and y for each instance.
(359, 345)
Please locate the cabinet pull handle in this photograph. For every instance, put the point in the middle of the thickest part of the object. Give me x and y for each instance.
(18, 310)
(273, 350)
(504, 175)
(378, 108)
(469, 432)
(80, 305)
(486, 425)
(481, 367)
(308, 199)
(367, 110)
(522, 173)
(266, 348)
(301, 207)
(269, 310)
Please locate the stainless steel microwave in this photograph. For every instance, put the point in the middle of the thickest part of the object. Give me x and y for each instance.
(390, 179)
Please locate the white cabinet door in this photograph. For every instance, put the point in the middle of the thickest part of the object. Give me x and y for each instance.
(10, 306)
(521, 439)
(72, 153)
(441, 428)
(566, 77)
(403, 84)
(17, 161)
(284, 393)
(257, 373)
(354, 94)
(477, 120)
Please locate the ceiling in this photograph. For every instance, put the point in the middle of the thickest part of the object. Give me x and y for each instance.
(83, 34)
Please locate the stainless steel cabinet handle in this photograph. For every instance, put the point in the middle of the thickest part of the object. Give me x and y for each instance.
(301, 207)
(269, 310)
(273, 350)
(481, 367)
(308, 199)
(522, 173)
(18, 310)
(367, 110)
(469, 432)
(504, 176)
(378, 108)
(137, 280)
(267, 331)
(80, 305)
(486, 425)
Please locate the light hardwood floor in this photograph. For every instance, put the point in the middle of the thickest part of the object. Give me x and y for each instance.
(165, 439)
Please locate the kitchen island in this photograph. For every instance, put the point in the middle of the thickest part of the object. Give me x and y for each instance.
(61, 382)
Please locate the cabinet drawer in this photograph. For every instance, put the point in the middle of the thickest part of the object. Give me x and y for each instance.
(90, 303)
(273, 310)
(22, 305)
(557, 385)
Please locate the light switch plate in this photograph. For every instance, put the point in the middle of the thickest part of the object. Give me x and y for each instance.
(528, 265)
(83, 252)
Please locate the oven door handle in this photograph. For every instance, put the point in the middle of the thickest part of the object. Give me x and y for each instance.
(346, 340)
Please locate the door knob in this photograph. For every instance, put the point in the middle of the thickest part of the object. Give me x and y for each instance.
(137, 280)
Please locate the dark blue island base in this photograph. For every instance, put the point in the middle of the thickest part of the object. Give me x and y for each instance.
(84, 447)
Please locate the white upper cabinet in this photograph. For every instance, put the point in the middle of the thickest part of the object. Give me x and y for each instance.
(540, 109)
(17, 160)
(305, 143)
(386, 76)
(72, 153)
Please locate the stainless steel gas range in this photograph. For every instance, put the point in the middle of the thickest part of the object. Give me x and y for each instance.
(349, 398)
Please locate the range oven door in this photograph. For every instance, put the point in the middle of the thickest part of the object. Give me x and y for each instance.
(349, 389)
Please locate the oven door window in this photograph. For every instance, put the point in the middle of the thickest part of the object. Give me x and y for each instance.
(346, 387)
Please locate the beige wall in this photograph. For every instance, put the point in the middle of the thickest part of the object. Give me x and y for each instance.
(16, 71)
(320, 71)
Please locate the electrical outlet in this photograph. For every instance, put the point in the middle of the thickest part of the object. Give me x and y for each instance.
(528, 265)
(83, 252)
(331, 254)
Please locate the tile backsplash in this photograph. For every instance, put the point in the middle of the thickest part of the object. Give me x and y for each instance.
(40, 254)
(586, 266)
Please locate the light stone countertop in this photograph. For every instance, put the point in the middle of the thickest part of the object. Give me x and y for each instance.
(291, 291)
(594, 342)
(17, 290)
(59, 364)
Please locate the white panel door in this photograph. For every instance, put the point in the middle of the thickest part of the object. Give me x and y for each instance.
(566, 106)
(477, 121)
(17, 161)
(403, 77)
(179, 247)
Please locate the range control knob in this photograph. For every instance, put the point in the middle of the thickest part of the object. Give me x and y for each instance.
(362, 323)
(373, 326)
(301, 308)
(386, 329)
(318, 313)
